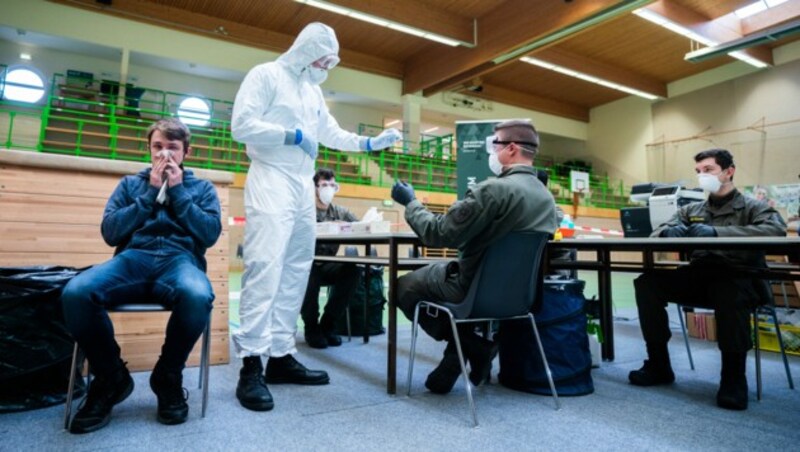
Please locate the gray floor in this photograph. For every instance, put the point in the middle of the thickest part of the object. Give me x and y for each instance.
(354, 413)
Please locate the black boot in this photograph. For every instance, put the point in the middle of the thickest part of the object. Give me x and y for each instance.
(105, 391)
(251, 391)
(732, 392)
(445, 375)
(314, 337)
(656, 370)
(326, 326)
(286, 369)
(171, 395)
(479, 352)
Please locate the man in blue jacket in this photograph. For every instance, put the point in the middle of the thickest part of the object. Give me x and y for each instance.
(161, 222)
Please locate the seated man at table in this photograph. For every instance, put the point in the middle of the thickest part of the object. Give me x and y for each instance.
(709, 280)
(161, 222)
(319, 332)
(514, 201)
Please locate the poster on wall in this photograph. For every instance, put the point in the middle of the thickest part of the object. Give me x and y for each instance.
(472, 165)
(785, 197)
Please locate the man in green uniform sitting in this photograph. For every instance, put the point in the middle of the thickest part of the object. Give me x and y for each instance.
(514, 201)
(709, 280)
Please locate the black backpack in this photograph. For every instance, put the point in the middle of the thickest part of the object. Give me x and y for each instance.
(561, 321)
(375, 305)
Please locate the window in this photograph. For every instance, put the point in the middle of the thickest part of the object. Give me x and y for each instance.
(194, 111)
(22, 85)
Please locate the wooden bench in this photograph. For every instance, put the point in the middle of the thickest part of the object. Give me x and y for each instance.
(52, 206)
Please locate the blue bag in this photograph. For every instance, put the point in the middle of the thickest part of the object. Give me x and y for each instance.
(561, 321)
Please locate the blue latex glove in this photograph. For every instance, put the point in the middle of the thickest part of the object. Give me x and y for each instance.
(386, 139)
(403, 193)
(306, 142)
(702, 230)
(675, 231)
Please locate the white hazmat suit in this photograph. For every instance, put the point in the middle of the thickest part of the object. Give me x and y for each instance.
(275, 100)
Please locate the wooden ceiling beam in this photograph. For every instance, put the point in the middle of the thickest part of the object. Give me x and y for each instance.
(207, 26)
(530, 101)
(500, 31)
(771, 17)
(606, 72)
(721, 30)
(407, 12)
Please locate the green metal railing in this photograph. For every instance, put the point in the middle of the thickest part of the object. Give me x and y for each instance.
(103, 119)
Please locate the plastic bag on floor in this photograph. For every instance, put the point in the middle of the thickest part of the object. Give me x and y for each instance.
(36, 350)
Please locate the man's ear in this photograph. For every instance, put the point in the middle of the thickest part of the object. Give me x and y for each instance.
(188, 151)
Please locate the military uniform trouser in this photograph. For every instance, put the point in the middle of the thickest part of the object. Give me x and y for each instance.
(344, 278)
(430, 283)
(731, 298)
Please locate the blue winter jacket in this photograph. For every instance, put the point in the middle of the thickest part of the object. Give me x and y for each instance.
(189, 222)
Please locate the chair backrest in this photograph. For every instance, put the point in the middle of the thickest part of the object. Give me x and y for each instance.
(509, 278)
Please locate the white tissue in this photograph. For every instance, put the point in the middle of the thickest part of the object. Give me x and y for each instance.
(372, 216)
(162, 194)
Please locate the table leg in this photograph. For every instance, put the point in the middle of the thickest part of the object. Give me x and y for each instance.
(606, 305)
(367, 253)
(391, 360)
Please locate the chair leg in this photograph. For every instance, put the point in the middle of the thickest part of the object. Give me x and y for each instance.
(205, 359)
(467, 383)
(783, 350)
(544, 361)
(685, 336)
(758, 355)
(412, 352)
(347, 318)
(71, 390)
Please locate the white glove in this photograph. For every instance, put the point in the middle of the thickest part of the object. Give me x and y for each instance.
(386, 139)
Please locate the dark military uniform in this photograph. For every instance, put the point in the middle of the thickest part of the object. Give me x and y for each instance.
(708, 280)
(515, 201)
(343, 276)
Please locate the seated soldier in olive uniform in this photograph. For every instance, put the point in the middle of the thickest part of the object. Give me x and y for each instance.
(514, 201)
(319, 332)
(709, 280)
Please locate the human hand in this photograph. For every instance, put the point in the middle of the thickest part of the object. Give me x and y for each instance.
(157, 173)
(307, 143)
(675, 231)
(385, 139)
(403, 193)
(173, 173)
(701, 230)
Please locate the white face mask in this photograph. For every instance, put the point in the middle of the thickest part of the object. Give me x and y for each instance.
(494, 164)
(326, 195)
(709, 182)
(316, 75)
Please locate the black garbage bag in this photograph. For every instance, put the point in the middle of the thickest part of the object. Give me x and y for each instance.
(36, 351)
(375, 306)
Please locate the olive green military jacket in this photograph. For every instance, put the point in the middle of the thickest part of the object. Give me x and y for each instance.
(515, 201)
(742, 216)
(332, 213)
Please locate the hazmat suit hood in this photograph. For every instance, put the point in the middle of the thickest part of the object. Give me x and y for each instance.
(314, 42)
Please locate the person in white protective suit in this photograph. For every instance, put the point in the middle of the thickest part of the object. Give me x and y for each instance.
(280, 115)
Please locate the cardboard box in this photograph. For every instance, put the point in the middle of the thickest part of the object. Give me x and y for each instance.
(701, 325)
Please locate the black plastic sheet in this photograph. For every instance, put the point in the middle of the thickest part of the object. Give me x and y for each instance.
(36, 349)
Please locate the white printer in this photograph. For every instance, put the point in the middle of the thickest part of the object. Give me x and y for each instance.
(664, 202)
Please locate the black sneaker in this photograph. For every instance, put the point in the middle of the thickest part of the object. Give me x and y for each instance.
(732, 394)
(652, 374)
(445, 375)
(171, 395)
(251, 391)
(105, 391)
(286, 369)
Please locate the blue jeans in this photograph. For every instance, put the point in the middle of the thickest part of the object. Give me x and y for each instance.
(169, 278)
